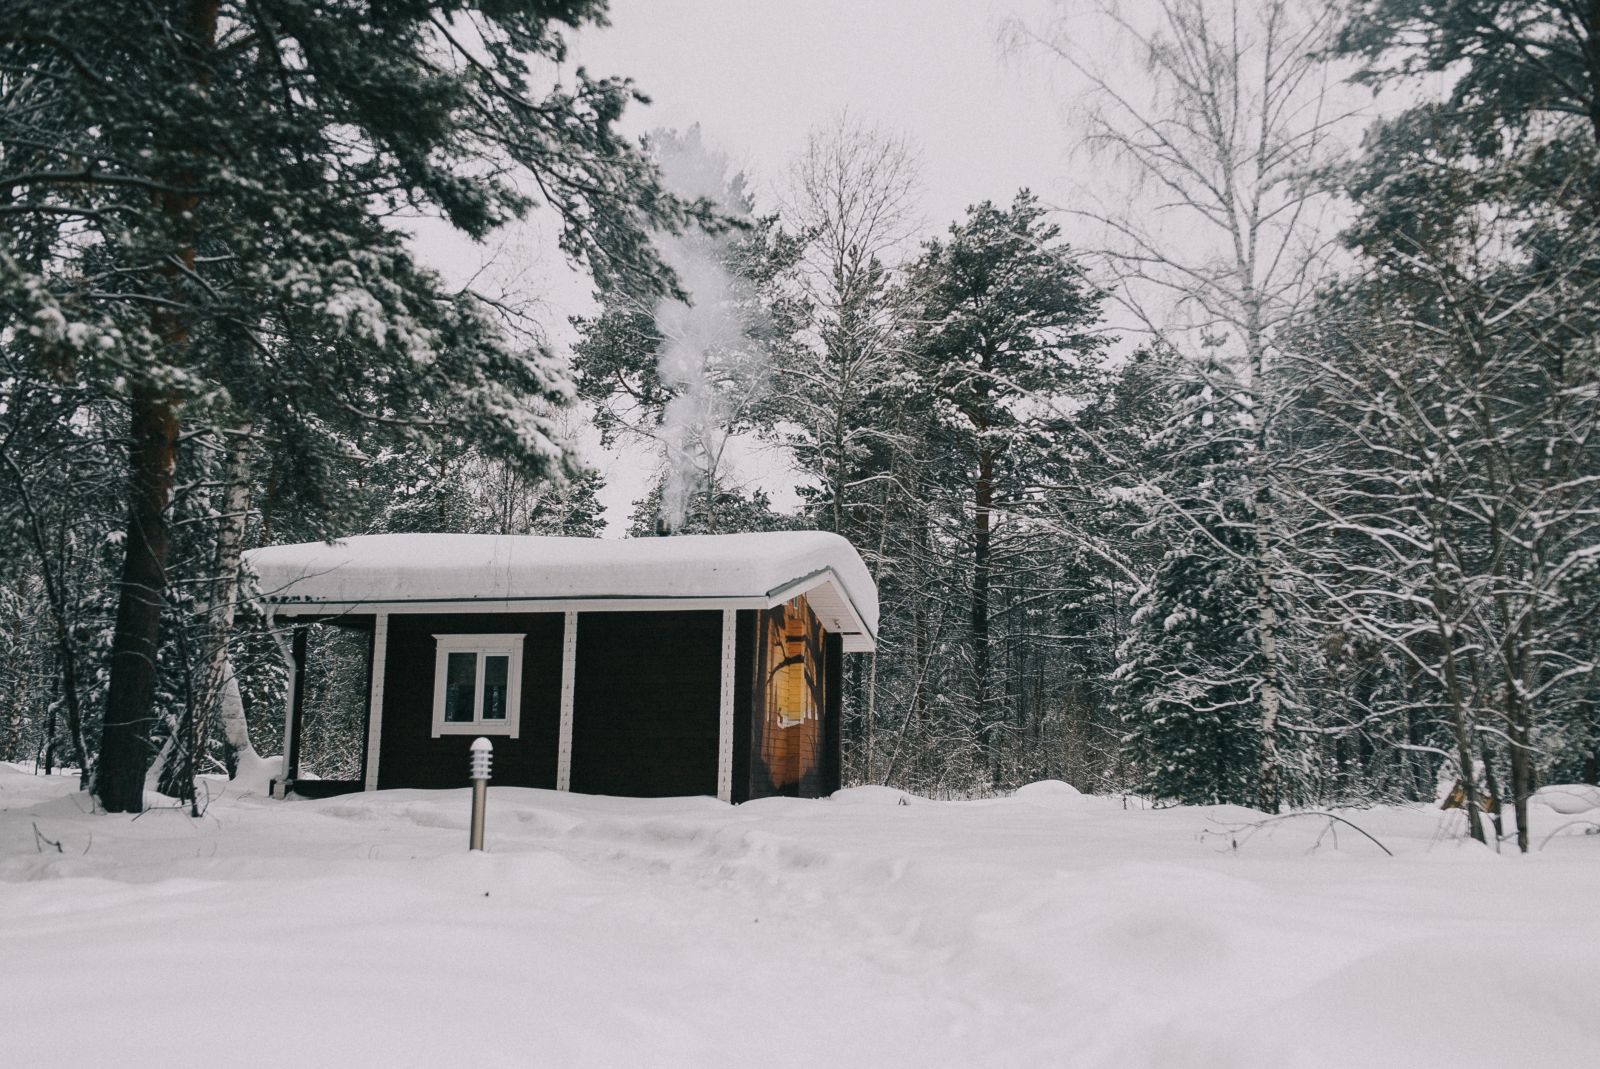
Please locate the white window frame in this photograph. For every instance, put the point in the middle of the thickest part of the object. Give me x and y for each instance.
(485, 646)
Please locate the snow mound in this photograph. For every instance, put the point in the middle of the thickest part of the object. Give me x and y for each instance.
(1161, 939)
(1396, 1006)
(254, 774)
(1048, 792)
(871, 795)
(1569, 798)
(71, 805)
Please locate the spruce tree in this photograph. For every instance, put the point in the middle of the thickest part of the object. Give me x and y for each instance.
(1188, 670)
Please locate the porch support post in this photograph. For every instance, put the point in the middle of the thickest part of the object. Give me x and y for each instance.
(296, 706)
(280, 783)
(730, 634)
(569, 660)
(380, 658)
(833, 714)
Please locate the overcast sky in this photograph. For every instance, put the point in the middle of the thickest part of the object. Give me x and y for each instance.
(757, 75)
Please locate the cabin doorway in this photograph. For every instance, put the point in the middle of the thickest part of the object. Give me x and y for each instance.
(333, 719)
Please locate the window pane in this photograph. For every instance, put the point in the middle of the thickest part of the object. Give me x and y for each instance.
(496, 670)
(460, 682)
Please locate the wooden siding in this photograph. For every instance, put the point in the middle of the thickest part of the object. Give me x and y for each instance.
(790, 702)
(645, 716)
(409, 755)
(647, 688)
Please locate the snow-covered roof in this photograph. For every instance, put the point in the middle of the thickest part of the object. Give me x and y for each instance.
(423, 572)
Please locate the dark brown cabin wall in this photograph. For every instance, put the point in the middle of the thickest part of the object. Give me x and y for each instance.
(409, 755)
(647, 703)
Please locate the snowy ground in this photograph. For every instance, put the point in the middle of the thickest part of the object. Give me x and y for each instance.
(1043, 929)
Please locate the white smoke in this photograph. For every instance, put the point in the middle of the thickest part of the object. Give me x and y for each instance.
(711, 357)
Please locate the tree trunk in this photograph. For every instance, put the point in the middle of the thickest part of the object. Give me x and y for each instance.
(1492, 782)
(49, 732)
(1269, 790)
(171, 772)
(222, 689)
(1521, 775)
(235, 729)
(840, 461)
(981, 532)
(1462, 729)
(125, 750)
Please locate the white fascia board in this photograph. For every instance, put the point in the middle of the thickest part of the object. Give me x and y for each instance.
(530, 605)
(853, 630)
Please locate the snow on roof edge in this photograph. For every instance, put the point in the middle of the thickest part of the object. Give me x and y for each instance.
(412, 568)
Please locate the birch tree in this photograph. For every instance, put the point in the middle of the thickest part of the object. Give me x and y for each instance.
(851, 200)
(1217, 242)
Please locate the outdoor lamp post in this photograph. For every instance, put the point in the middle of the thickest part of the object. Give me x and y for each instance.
(481, 750)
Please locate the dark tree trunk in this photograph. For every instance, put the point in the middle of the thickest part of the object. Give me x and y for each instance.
(1492, 782)
(981, 533)
(125, 749)
(1521, 781)
(49, 735)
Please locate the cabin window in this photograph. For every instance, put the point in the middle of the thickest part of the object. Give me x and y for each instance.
(477, 688)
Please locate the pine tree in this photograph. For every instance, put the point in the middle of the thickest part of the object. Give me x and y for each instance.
(196, 195)
(1007, 330)
(570, 508)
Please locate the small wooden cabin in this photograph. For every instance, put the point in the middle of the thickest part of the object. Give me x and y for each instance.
(696, 664)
